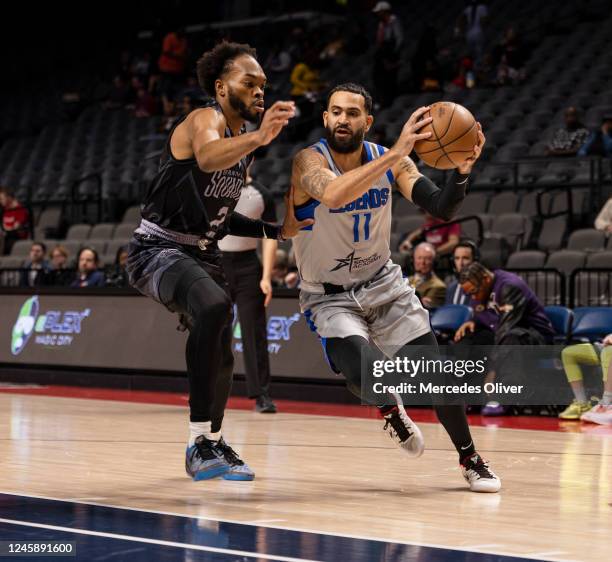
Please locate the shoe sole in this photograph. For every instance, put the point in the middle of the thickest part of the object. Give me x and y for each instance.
(239, 477)
(209, 474)
(490, 489)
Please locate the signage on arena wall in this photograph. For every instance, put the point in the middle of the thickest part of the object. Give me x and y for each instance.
(132, 332)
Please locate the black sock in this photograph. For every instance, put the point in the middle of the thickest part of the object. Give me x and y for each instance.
(454, 420)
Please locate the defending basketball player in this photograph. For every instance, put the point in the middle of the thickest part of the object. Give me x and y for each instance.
(352, 294)
(173, 256)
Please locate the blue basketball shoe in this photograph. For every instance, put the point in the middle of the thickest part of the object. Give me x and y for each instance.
(238, 469)
(203, 461)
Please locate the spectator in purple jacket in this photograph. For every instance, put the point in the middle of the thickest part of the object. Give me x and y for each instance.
(506, 312)
(505, 306)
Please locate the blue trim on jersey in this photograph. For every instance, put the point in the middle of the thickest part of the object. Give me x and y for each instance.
(368, 151)
(390, 176)
(306, 211)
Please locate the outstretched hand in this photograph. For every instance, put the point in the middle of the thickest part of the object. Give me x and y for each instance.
(274, 119)
(291, 226)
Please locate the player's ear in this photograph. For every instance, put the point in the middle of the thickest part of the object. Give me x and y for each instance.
(220, 88)
(369, 122)
(325, 114)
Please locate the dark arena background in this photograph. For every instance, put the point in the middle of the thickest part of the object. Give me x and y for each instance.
(94, 394)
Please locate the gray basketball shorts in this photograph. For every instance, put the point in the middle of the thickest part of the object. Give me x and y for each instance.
(385, 310)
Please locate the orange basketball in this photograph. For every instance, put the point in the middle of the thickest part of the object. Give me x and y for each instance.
(454, 135)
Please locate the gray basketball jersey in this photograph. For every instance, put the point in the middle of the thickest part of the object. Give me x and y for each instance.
(349, 245)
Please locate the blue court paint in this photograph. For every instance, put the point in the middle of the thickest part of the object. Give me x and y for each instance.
(191, 538)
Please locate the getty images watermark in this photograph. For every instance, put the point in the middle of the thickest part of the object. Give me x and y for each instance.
(425, 375)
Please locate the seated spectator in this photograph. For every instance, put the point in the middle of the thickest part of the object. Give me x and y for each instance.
(505, 306)
(464, 253)
(594, 354)
(568, 140)
(599, 142)
(88, 274)
(15, 221)
(58, 274)
(429, 287)
(604, 218)
(116, 276)
(283, 275)
(506, 312)
(305, 80)
(34, 265)
(444, 238)
(280, 269)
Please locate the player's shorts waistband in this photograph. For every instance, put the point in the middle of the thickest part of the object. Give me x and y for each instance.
(333, 289)
(152, 229)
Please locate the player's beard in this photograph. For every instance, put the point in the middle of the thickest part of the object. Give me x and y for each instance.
(242, 108)
(346, 145)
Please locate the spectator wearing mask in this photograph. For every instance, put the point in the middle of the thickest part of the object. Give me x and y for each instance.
(443, 238)
(35, 265)
(251, 290)
(568, 140)
(465, 253)
(15, 221)
(389, 40)
(58, 275)
(88, 274)
(506, 312)
(429, 287)
(599, 142)
(594, 354)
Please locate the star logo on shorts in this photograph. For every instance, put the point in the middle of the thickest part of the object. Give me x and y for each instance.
(345, 262)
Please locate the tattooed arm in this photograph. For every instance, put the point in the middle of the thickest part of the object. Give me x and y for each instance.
(312, 177)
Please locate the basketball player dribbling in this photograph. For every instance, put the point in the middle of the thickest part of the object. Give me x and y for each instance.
(173, 256)
(352, 294)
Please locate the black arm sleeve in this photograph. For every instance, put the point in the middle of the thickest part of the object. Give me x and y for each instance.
(239, 225)
(441, 203)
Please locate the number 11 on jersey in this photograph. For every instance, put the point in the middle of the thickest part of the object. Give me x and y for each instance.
(366, 226)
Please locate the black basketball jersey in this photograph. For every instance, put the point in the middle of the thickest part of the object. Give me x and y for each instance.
(185, 199)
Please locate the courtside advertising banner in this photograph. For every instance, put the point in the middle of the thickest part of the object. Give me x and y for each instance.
(132, 332)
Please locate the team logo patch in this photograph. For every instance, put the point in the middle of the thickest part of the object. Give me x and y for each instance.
(355, 262)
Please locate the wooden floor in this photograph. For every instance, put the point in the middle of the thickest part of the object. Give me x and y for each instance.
(328, 474)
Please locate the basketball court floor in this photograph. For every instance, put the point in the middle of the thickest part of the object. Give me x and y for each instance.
(104, 470)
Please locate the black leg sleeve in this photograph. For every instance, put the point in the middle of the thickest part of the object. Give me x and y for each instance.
(452, 416)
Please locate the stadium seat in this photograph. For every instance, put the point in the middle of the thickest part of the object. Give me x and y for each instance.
(78, 232)
(566, 261)
(599, 260)
(587, 240)
(21, 248)
(592, 323)
(561, 319)
(552, 234)
(123, 231)
(527, 259)
(406, 224)
(132, 215)
(514, 227)
(450, 317)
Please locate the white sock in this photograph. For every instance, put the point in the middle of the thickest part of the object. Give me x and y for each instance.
(202, 428)
(580, 394)
(607, 399)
